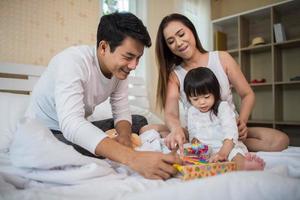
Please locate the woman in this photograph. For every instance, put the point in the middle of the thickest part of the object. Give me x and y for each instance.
(178, 49)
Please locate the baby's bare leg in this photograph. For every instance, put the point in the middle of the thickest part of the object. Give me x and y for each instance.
(249, 162)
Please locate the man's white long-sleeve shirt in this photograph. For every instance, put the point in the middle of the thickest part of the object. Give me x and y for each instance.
(68, 91)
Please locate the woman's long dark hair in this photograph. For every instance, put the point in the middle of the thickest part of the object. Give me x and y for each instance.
(201, 81)
(165, 58)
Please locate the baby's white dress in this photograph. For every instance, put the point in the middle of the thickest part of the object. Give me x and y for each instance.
(213, 130)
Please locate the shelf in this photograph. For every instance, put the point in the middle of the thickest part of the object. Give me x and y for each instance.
(258, 48)
(260, 122)
(287, 83)
(263, 109)
(287, 101)
(287, 63)
(233, 51)
(276, 100)
(260, 84)
(257, 64)
(255, 24)
(289, 16)
(288, 44)
(288, 123)
(230, 28)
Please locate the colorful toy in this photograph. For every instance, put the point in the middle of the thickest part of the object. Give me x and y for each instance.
(196, 165)
(196, 152)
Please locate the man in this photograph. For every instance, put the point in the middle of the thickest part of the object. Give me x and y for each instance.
(81, 77)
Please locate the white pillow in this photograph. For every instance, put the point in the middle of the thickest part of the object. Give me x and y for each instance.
(103, 111)
(12, 109)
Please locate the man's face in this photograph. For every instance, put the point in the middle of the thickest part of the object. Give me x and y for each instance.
(120, 62)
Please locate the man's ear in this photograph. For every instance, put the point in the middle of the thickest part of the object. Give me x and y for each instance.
(103, 47)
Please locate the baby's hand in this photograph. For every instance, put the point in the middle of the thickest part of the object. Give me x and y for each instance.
(217, 157)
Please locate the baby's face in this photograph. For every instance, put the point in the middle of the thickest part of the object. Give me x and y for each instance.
(203, 102)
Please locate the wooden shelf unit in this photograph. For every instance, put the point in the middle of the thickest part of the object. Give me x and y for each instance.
(278, 98)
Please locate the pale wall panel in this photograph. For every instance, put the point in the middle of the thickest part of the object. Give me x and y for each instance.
(223, 8)
(33, 31)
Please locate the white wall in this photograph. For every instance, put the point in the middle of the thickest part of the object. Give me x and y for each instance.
(198, 11)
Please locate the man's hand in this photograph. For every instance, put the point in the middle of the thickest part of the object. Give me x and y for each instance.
(154, 165)
(176, 139)
(243, 129)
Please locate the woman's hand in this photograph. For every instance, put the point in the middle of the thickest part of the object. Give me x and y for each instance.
(176, 139)
(243, 129)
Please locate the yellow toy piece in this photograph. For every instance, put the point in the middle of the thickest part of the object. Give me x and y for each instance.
(135, 139)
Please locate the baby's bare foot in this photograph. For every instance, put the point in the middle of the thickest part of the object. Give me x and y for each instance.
(253, 162)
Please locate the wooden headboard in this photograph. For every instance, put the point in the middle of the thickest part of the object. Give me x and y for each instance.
(21, 78)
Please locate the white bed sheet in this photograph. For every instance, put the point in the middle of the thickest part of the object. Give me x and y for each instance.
(280, 180)
(88, 178)
(274, 183)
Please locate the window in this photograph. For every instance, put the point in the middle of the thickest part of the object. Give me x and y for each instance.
(110, 6)
(198, 11)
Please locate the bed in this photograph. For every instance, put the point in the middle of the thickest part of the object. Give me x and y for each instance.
(76, 177)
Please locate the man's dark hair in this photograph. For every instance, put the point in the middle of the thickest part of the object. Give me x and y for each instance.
(114, 28)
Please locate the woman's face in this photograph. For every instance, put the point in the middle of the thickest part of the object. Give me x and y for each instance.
(180, 39)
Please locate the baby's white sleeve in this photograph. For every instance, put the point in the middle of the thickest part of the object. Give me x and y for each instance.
(228, 122)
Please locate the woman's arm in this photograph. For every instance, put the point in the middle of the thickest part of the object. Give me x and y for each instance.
(176, 138)
(239, 82)
(171, 104)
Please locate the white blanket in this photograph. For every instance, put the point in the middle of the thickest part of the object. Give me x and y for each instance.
(45, 168)
(36, 154)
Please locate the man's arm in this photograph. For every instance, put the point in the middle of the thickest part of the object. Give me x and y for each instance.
(153, 165)
(123, 129)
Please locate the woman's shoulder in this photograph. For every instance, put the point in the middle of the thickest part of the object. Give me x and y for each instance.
(221, 54)
(226, 60)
